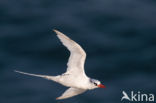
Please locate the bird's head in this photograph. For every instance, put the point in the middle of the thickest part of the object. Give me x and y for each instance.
(96, 84)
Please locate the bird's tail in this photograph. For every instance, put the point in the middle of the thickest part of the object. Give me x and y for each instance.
(36, 75)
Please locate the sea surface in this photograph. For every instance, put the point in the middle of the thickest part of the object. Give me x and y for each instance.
(119, 37)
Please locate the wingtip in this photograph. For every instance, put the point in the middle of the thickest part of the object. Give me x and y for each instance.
(56, 31)
(57, 98)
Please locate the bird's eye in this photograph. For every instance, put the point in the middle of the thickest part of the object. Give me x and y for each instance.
(95, 84)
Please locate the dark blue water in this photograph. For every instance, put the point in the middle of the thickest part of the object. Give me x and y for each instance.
(119, 37)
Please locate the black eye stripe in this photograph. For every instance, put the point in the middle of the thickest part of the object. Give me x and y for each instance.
(95, 84)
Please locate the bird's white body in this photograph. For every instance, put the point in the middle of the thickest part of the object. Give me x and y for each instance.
(75, 76)
(76, 82)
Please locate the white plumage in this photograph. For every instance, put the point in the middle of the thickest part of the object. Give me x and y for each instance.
(74, 77)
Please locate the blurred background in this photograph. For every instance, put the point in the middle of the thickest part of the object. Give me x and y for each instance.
(119, 37)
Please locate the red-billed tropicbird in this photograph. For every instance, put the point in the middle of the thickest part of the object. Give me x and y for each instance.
(74, 77)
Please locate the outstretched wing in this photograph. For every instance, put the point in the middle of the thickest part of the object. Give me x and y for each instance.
(77, 54)
(70, 93)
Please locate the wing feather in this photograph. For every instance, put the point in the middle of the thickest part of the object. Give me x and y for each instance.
(77, 54)
(70, 93)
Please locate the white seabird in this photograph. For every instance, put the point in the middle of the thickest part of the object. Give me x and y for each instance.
(74, 77)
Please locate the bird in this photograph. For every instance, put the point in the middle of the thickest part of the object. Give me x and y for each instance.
(75, 77)
(125, 96)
